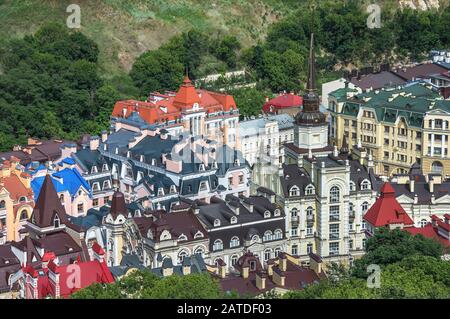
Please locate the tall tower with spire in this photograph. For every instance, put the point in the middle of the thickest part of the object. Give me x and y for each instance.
(311, 128)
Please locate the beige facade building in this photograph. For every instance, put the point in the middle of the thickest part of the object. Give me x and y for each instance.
(398, 127)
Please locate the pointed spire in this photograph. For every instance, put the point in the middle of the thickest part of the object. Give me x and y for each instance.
(118, 205)
(311, 85)
(344, 147)
(48, 205)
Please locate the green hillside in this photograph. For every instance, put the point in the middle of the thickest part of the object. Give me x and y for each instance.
(124, 29)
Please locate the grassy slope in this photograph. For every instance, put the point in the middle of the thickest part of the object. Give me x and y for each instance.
(124, 29)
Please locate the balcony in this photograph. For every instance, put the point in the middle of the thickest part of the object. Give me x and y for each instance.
(351, 215)
(334, 236)
(334, 218)
(295, 220)
(310, 220)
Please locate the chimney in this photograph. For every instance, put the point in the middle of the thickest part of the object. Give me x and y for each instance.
(104, 136)
(270, 268)
(163, 134)
(431, 185)
(245, 271)
(167, 267)
(315, 263)
(186, 266)
(278, 277)
(434, 220)
(99, 253)
(283, 261)
(411, 184)
(261, 280)
(94, 143)
(222, 268)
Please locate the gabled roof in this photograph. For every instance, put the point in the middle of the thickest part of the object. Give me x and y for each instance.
(386, 210)
(68, 179)
(118, 205)
(48, 205)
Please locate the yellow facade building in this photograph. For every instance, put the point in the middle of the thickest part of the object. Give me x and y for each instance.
(398, 127)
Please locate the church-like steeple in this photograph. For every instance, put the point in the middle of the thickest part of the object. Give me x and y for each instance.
(311, 85)
(311, 115)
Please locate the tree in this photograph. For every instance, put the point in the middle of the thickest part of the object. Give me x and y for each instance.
(157, 70)
(387, 247)
(225, 49)
(249, 100)
(142, 284)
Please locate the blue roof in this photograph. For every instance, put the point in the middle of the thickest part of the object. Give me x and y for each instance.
(71, 182)
(67, 160)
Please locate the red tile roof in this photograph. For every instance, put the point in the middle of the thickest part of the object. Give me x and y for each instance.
(429, 231)
(283, 101)
(171, 106)
(386, 210)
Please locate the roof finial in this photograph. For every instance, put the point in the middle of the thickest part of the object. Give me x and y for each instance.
(311, 85)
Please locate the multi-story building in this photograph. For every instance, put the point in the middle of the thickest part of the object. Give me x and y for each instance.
(190, 110)
(73, 190)
(284, 103)
(261, 139)
(16, 200)
(398, 127)
(236, 225)
(151, 166)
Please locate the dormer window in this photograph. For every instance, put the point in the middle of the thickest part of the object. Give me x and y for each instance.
(365, 185)
(23, 199)
(294, 191)
(201, 167)
(216, 222)
(237, 162)
(106, 184)
(182, 237)
(277, 212)
(309, 190)
(352, 186)
(94, 169)
(234, 242)
(198, 234)
(56, 221)
(266, 214)
(233, 220)
(203, 186)
(173, 189)
(105, 167)
(160, 191)
(96, 187)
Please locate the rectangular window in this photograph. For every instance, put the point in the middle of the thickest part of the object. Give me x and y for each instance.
(309, 248)
(334, 213)
(350, 244)
(309, 231)
(334, 248)
(334, 231)
(294, 250)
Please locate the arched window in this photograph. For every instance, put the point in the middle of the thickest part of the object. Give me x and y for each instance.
(423, 223)
(294, 191)
(234, 259)
(267, 254)
(255, 238)
(199, 251)
(277, 251)
(181, 256)
(365, 207)
(294, 212)
(365, 185)
(233, 220)
(278, 234)
(234, 242)
(61, 198)
(2, 204)
(23, 215)
(267, 236)
(56, 221)
(351, 207)
(23, 199)
(335, 194)
(352, 186)
(436, 167)
(216, 222)
(218, 245)
(309, 212)
(309, 190)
